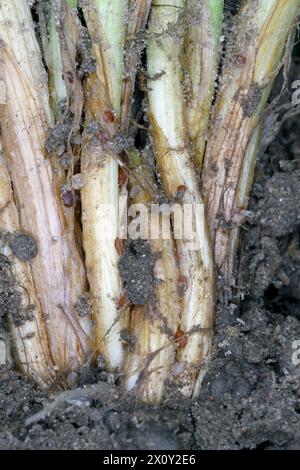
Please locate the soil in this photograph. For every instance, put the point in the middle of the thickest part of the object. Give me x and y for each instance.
(137, 271)
(250, 398)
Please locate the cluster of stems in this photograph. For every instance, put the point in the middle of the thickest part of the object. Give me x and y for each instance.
(71, 111)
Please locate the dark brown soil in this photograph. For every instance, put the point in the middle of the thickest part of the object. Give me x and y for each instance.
(137, 271)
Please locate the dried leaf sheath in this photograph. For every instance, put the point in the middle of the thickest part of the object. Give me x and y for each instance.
(138, 12)
(61, 35)
(99, 163)
(153, 326)
(100, 200)
(201, 57)
(168, 129)
(57, 269)
(251, 65)
(27, 328)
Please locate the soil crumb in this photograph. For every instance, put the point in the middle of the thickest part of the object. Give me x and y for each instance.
(10, 299)
(23, 246)
(137, 271)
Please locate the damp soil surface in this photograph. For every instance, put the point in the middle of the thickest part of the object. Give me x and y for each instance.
(251, 394)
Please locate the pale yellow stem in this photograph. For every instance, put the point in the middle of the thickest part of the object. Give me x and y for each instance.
(57, 269)
(27, 328)
(154, 325)
(253, 60)
(168, 129)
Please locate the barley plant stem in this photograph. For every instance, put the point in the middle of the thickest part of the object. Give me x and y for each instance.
(57, 270)
(254, 55)
(170, 137)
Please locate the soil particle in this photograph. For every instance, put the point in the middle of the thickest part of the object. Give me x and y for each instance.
(128, 339)
(279, 211)
(83, 306)
(263, 264)
(87, 63)
(252, 100)
(232, 5)
(65, 160)
(59, 135)
(137, 271)
(23, 246)
(10, 299)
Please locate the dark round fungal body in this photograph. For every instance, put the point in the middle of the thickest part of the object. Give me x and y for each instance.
(68, 198)
(109, 116)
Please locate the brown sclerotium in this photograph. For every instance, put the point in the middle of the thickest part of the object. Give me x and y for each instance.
(68, 196)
